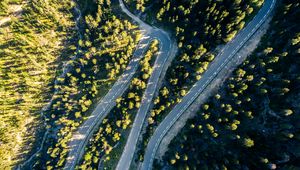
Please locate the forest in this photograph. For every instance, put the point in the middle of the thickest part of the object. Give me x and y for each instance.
(106, 144)
(200, 28)
(58, 59)
(252, 121)
(104, 49)
(74, 51)
(35, 39)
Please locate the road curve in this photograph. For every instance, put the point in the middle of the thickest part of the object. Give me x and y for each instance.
(167, 50)
(85, 131)
(225, 56)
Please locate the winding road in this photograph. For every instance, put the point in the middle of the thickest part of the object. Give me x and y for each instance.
(85, 131)
(167, 50)
(224, 57)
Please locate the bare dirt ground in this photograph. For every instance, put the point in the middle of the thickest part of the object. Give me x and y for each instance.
(14, 11)
(248, 48)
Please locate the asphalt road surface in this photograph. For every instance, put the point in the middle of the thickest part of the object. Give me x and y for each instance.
(225, 56)
(167, 50)
(85, 131)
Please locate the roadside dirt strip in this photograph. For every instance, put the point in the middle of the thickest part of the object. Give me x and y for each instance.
(225, 57)
(86, 130)
(167, 50)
